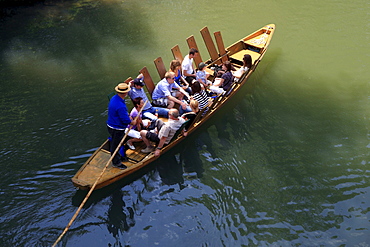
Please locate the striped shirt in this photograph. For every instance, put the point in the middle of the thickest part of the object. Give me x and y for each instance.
(202, 99)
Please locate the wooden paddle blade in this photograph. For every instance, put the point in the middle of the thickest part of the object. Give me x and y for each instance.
(128, 80)
(221, 47)
(209, 43)
(192, 44)
(176, 53)
(148, 80)
(158, 62)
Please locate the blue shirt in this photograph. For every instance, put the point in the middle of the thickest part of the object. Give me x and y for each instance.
(163, 89)
(134, 93)
(201, 75)
(118, 117)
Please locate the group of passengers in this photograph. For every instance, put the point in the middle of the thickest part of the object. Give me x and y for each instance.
(182, 85)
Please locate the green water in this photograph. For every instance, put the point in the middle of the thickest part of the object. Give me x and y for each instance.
(285, 164)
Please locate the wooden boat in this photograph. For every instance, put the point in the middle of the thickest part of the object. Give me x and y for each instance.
(254, 44)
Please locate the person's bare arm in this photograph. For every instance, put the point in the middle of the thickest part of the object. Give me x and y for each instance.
(160, 145)
(185, 72)
(174, 99)
(184, 92)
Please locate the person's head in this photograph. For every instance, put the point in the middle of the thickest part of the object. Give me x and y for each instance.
(122, 89)
(193, 52)
(201, 66)
(247, 61)
(138, 102)
(194, 105)
(170, 77)
(138, 83)
(174, 65)
(226, 66)
(195, 87)
(173, 113)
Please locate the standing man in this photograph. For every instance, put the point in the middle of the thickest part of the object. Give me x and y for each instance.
(188, 67)
(118, 120)
(162, 92)
(149, 110)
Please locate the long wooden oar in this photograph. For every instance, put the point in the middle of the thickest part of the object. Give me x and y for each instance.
(96, 182)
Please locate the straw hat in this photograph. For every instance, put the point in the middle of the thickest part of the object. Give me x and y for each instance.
(122, 88)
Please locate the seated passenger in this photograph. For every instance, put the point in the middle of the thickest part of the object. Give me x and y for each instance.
(247, 64)
(187, 66)
(165, 132)
(194, 105)
(223, 84)
(175, 67)
(162, 93)
(199, 95)
(202, 75)
(149, 110)
(134, 132)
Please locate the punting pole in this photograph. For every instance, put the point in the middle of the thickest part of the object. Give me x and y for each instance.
(96, 182)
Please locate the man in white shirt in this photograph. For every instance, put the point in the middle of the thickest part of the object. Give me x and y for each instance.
(187, 66)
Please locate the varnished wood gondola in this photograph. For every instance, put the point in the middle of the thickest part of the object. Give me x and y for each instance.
(254, 44)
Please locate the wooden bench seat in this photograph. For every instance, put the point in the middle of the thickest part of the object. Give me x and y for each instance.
(239, 55)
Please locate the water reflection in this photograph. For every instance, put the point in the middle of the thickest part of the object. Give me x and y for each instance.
(120, 217)
(235, 188)
(187, 162)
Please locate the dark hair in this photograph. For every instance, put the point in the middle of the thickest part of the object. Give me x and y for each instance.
(228, 65)
(247, 61)
(192, 51)
(137, 101)
(195, 87)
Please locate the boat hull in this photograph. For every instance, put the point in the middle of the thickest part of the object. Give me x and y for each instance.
(255, 44)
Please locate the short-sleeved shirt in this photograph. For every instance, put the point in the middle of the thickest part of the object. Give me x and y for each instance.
(163, 89)
(169, 129)
(228, 80)
(118, 117)
(201, 74)
(134, 93)
(202, 99)
(187, 64)
(133, 115)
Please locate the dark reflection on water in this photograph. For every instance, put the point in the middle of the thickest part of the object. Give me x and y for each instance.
(225, 185)
(259, 199)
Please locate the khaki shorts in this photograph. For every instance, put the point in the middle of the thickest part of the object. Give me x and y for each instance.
(162, 102)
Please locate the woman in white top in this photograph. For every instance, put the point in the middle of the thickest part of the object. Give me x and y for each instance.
(247, 64)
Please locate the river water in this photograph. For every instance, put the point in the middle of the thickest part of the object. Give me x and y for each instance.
(286, 163)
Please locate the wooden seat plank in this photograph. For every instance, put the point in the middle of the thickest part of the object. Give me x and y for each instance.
(239, 55)
(209, 43)
(221, 47)
(176, 53)
(158, 62)
(148, 80)
(192, 44)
